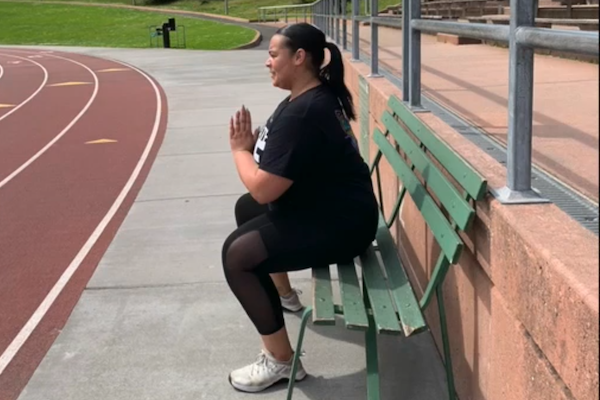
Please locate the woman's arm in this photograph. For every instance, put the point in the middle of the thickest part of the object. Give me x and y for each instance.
(263, 186)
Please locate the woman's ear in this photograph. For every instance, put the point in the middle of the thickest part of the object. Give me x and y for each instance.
(299, 57)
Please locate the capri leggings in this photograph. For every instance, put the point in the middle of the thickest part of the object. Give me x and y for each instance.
(267, 242)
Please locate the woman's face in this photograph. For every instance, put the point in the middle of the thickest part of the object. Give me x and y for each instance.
(282, 63)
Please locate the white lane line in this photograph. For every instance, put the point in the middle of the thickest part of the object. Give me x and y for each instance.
(1, 71)
(27, 100)
(41, 311)
(65, 130)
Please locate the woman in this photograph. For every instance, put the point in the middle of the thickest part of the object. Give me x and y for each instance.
(310, 200)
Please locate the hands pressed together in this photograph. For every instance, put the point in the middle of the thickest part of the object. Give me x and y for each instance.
(241, 137)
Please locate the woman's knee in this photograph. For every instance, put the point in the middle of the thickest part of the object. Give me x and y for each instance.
(228, 248)
(243, 252)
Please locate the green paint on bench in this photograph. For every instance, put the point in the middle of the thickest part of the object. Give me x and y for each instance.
(384, 312)
(353, 307)
(447, 238)
(460, 210)
(323, 297)
(411, 318)
(460, 169)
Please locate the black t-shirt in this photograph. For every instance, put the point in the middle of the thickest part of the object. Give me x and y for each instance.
(309, 140)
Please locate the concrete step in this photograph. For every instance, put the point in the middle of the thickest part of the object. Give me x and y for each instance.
(580, 11)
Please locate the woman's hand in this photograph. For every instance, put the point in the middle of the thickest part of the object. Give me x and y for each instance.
(241, 137)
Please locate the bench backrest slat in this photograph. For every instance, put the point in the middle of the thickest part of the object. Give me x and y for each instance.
(465, 175)
(445, 235)
(460, 210)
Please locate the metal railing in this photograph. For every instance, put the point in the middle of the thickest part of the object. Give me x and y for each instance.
(521, 35)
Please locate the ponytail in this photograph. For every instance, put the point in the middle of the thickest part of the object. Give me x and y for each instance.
(333, 75)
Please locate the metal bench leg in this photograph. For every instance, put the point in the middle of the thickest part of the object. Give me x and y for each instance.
(371, 350)
(446, 342)
(372, 362)
(305, 316)
(372, 354)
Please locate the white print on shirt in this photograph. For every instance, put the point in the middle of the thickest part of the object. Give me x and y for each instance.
(261, 142)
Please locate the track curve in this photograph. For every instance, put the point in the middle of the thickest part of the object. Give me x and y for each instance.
(72, 160)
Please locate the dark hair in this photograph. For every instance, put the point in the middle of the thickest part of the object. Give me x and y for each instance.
(312, 40)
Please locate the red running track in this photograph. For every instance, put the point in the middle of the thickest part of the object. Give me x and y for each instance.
(61, 198)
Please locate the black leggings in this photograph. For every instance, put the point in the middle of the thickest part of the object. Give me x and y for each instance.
(268, 242)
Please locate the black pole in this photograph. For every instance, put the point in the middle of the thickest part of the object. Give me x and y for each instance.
(166, 36)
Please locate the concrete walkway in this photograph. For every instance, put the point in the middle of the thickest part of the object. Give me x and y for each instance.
(472, 81)
(157, 320)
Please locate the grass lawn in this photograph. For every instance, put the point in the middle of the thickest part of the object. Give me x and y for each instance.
(52, 24)
(237, 8)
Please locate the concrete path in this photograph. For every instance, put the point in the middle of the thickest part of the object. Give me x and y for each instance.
(472, 81)
(157, 320)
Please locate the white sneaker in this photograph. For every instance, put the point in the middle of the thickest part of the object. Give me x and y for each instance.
(291, 302)
(263, 373)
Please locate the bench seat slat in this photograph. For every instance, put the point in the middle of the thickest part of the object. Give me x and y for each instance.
(445, 235)
(411, 318)
(352, 299)
(379, 297)
(460, 210)
(459, 168)
(322, 297)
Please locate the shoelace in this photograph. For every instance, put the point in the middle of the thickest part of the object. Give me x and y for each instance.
(261, 363)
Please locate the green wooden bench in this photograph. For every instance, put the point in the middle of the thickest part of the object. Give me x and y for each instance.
(377, 298)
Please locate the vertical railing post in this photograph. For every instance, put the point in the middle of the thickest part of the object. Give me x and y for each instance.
(325, 17)
(318, 14)
(374, 40)
(355, 30)
(331, 19)
(336, 15)
(344, 25)
(321, 20)
(405, 50)
(322, 13)
(415, 57)
(520, 109)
